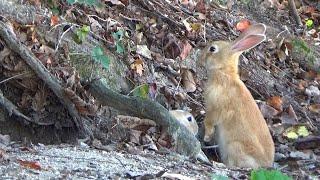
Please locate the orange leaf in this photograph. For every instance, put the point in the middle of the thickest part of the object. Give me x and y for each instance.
(275, 102)
(242, 25)
(31, 164)
(139, 69)
(54, 20)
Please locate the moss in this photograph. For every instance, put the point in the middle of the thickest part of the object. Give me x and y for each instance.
(89, 69)
(302, 48)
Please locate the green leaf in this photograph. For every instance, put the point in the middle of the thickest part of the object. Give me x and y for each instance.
(90, 2)
(55, 11)
(309, 23)
(71, 1)
(118, 36)
(81, 34)
(98, 56)
(142, 91)
(218, 177)
(264, 174)
(303, 131)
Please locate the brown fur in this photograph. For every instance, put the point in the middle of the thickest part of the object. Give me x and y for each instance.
(182, 117)
(243, 135)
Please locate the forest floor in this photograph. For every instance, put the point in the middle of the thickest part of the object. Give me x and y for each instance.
(148, 49)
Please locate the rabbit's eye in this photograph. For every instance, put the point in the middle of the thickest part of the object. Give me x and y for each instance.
(189, 118)
(213, 49)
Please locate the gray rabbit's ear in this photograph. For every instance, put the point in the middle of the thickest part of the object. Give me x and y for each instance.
(252, 30)
(247, 43)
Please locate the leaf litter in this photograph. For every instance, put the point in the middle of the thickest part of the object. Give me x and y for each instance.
(170, 51)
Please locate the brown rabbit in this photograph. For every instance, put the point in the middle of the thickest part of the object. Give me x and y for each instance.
(243, 135)
(187, 119)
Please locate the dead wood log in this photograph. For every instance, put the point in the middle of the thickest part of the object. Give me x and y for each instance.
(41, 71)
(185, 142)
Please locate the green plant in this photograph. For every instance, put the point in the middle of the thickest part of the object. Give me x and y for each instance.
(86, 2)
(309, 23)
(264, 174)
(118, 38)
(81, 34)
(98, 56)
(303, 48)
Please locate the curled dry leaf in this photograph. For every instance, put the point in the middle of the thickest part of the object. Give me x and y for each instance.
(188, 81)
(137, 66)
(275, 102)
(185, 49)
(267, 111)
(83, 107)
(133, 122)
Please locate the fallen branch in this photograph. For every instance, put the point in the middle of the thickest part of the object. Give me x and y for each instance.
(41, 71)
(185, 142)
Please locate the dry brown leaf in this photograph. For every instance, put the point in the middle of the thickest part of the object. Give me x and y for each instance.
(135, 136)
(267, 111)
(133, 122)
(54, 20)
(281, 55)
(185, 49)
(31, 164)
(315, 108)
(275, 102)
(201, 7)
(188, 81)
(137, 66)
(40, 99)
(82, 107)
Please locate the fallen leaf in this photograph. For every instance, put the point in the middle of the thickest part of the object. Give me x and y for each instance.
(295, 131)
(144, 51)
(315, 108)
(268, 111)
(201, 7)
(137, 66)
(187, 25)
(54, 20)
(275, 102)
(188, 81)
(196, 26)
(31, 164)
(242, 25)
(185, 49)
(115, 2)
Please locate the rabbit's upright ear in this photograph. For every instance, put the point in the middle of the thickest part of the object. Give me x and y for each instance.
(249, 38)
(253, 29)
(247, 43)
